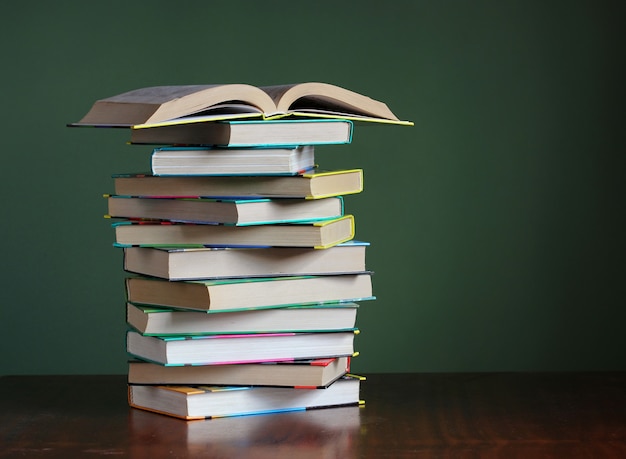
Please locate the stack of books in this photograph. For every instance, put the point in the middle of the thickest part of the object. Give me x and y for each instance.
(244, 278)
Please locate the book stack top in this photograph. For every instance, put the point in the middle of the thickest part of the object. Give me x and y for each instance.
(162, 106)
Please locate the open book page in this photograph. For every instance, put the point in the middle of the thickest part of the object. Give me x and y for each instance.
(326, 97)
(158, 94)
(221, 112)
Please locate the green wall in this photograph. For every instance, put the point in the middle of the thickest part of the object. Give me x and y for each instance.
(497, 239)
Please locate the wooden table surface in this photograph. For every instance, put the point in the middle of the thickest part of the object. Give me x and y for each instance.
(477, 415)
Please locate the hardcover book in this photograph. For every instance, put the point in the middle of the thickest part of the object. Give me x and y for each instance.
(202, 402)
(312, 184)
(231, 349)
(240, 212)
(310, 373)
(232, 161)
(212, 263)
(247, 133)
(150, 320)
(248, 293)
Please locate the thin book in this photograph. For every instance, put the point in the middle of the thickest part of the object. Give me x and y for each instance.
(320, 235)
(239, 212)
(309, 373)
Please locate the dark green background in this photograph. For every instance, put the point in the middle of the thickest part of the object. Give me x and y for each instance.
(496, 222)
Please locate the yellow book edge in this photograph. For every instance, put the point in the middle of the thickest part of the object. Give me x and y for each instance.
(328, 222)
(325, 173)
(271, 117)
(312, 175)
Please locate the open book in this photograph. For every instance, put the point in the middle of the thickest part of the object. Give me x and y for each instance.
(164, 105)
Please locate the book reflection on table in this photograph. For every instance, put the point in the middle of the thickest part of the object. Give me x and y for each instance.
(302, 434)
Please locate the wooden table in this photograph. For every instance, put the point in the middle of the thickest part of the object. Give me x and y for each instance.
(483, 415)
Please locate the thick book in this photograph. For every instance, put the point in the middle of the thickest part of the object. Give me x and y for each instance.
(238, 134)
(158, 321)
(249, 293)
(299, 373)
(157, 104)
(319, 235)
(197, 160)
(213, 263)
(206, 402)
(238, 212)
(231, 349)
(314, 184)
